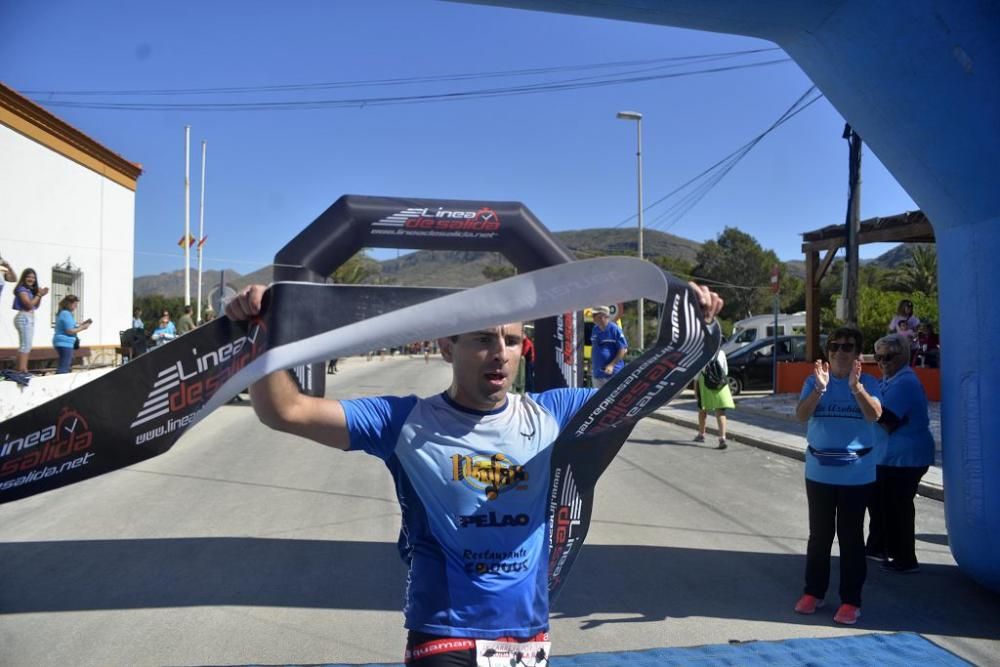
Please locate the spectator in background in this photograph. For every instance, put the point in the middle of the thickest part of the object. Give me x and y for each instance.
(712, 391)
(7, 271)
(927, 351)
(841, 405)
(165, 330)
(186, 322)
(27, 297)
(607, 346)
(905, 460)
(904, 321)
(134, 340)
(65, 339)
(528, 354)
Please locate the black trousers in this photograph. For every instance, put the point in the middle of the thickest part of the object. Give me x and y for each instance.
(891, 513)
(837, 510)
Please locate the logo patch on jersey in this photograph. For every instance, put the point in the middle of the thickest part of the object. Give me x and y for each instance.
(492, 475)
(493, 520)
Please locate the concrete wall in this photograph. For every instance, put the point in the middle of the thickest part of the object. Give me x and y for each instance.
(53, 209)
(15, 399)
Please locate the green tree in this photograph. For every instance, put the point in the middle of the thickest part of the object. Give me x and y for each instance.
(359, 269)
(876, 308)
(674, 265)
(872, 275)
(153, 305)
(737, 261)
(792, 294)
(494, 272)
(919, 274)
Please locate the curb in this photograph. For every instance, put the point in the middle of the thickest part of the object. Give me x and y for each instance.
(767, 413)
(926, 489)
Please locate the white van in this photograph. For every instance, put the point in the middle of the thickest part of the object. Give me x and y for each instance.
(762, 326)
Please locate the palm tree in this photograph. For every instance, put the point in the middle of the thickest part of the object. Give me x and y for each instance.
(920, 273)
(360, 268)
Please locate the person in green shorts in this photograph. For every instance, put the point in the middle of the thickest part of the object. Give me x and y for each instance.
(712, 390)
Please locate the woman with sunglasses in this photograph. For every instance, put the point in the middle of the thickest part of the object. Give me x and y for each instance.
(841, 405)
(909, 453)
(165, 330)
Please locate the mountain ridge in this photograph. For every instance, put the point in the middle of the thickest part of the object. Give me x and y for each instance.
(457, 268)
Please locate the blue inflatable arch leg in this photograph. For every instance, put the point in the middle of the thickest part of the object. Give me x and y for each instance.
(919, 81)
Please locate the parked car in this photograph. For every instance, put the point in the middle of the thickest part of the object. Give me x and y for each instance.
(760, 327)
(750, 366)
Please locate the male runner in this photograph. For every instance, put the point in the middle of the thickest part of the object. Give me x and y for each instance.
(471, 469)
(608, 347)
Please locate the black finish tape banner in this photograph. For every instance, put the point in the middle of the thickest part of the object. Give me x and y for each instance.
(598, 430)
(140, 410)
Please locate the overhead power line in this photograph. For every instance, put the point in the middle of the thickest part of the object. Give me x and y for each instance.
(451, 96)
(673, 61)
(705, 181)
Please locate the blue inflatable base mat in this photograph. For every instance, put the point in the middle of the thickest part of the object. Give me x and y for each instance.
(902, 649)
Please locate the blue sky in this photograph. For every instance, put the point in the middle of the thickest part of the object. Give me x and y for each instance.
(564, 154)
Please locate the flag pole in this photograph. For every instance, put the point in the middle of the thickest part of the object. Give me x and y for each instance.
(187, 215)
(201, 224)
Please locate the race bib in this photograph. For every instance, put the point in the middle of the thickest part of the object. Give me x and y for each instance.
(529, 654)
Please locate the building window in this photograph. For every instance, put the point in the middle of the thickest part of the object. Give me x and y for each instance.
(67, 279)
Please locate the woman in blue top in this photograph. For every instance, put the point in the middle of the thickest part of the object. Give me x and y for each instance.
(909, 453)
(841, 405)
(27, 297)
(165, 330)
(64, 338)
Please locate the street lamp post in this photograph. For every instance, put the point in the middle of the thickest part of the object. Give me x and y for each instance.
(637, 117)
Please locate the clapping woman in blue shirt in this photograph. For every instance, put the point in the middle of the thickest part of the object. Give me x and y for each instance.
(841, 405)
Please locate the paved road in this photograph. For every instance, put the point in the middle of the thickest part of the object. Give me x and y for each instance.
(246, 546)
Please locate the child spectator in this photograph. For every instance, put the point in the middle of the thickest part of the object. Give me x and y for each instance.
(904, 321)
(927, 350)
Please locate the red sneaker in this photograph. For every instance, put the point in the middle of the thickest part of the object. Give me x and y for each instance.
(848, 614)
(808, 604)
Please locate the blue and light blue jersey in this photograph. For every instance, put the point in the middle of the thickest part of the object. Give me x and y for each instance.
(604, 346)
(473, 489)
(838, 426)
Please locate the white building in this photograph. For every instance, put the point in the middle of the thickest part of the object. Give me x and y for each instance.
(67, 210)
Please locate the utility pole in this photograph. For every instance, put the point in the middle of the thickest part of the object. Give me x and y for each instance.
(853, 224)
(637, 117)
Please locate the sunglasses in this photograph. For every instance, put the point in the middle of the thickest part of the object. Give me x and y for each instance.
(846, 347)
(889, 356)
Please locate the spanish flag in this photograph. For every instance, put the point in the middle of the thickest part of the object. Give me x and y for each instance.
(186, 243)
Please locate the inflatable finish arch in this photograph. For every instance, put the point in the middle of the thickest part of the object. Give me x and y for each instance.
(354, 222)
(920, 82)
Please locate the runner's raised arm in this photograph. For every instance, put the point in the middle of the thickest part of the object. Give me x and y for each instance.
(277, 400)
